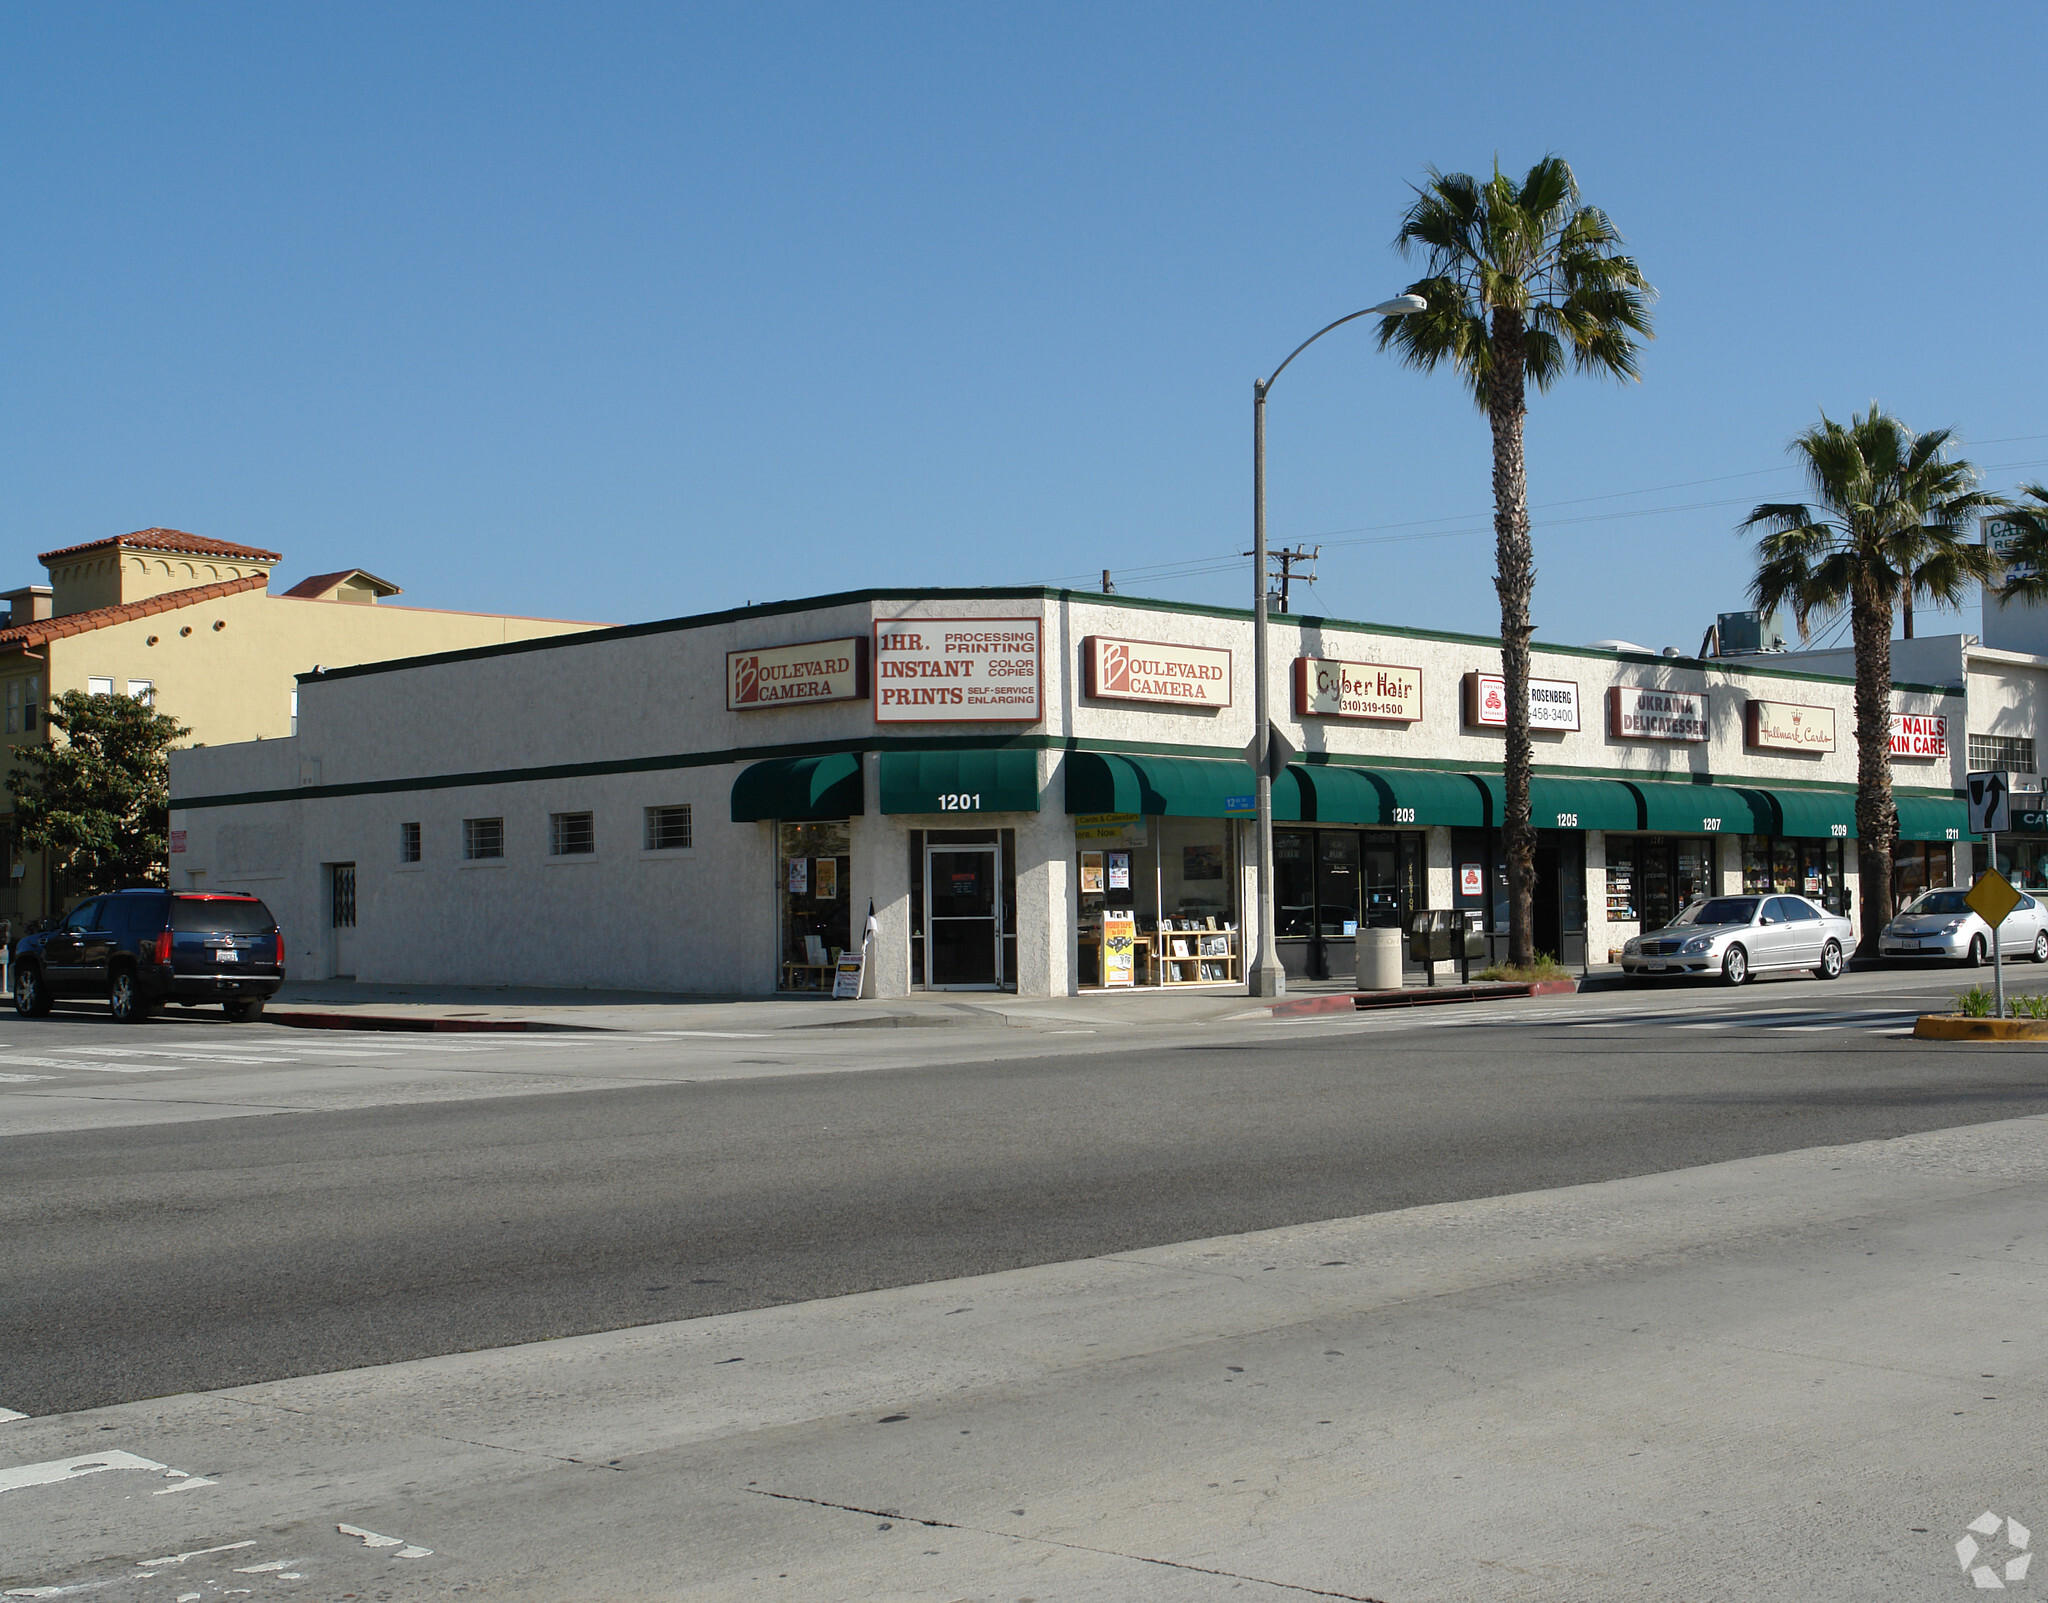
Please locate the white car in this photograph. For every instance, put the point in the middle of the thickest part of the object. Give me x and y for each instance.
(1737, 936)
(1940, 923)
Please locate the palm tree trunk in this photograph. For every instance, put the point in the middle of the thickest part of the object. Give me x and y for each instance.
(1514, 579)
(1877, 816)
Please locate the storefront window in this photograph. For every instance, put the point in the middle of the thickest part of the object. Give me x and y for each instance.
(1919, 865)
(2023, 859)
(1337, 882)
(1179, 877)
(1803, 867)
(1294, 886)
(814, 872)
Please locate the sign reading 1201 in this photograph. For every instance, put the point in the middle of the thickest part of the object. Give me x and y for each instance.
(956, 670)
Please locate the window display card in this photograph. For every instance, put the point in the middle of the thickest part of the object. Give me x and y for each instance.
(1119, 870)
(799, 876)
(1091, 873)
(828, 879)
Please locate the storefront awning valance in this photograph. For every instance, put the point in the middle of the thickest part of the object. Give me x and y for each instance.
(1556, 802)
(1386, 796)
(999, 780)
(1171, 787)
(1933, 818)
(1671, 807)
(1807, 814)
(799, 789)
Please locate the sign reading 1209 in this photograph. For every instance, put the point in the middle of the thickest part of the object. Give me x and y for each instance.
(956, 670)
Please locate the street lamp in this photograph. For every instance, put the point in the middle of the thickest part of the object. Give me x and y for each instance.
(1267, 977)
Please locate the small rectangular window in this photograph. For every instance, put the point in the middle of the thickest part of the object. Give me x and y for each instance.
(143, 690)
(408, 843)
(96, 686)
(571, 834)
(668, 829)
(482, 838)
(2011, 752)
(14, 706)
(31, 701)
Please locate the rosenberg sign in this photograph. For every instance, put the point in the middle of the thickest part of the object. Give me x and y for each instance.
(1789, 726)
(1635, 712)
(1145, 670)
(1327, 688)
(779, 676)
(1553, 703)
(1919, 734)
(956, 670)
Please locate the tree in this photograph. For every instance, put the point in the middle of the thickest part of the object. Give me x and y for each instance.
(1524, 282)
(2023, 546)
(1892, 515)
(98, 800)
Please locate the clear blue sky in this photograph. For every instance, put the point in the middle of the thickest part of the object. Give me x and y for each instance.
(621, 312)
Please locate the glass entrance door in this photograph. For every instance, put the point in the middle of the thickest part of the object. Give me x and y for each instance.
(963, 901)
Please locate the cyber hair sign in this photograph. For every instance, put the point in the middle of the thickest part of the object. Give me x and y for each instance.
(1326, 687)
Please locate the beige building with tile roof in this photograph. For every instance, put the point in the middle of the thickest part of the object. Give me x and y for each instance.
(191, 622)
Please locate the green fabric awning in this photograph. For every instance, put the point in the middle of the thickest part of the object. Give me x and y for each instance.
(1807, 814)
(1933, 818)
(1674, 808)
(1171, 787)
(799, 789)
(999, 780)
(1385, 796)
(1559, 803)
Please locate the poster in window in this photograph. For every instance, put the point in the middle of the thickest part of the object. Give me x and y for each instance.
(1471, 879)
(1201, 862)
(828, 879)
(1119, 870)
(799, 881)
(1091, 873)
(1119, 948)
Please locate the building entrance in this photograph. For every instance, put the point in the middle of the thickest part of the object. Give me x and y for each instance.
(963, 898)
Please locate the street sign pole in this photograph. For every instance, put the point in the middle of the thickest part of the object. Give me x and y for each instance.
(1997, 951)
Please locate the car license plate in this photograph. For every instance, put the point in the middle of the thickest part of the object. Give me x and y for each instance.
(1655, 968)
(227, 954)
(1911, 946)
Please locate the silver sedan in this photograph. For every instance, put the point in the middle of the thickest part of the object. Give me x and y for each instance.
(1737, 936)
(1940, 923)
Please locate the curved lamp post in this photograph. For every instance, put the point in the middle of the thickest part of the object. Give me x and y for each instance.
(1267, 977)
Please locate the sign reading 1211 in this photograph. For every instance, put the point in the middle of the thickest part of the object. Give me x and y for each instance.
(956, 670)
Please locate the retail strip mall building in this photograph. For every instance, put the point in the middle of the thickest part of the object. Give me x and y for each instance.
(711, 804)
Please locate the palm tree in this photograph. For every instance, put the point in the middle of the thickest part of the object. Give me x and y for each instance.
(2023, 546)
(1523, 282)
(1892, 515)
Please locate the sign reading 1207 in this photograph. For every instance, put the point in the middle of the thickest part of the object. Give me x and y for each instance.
(956, 670)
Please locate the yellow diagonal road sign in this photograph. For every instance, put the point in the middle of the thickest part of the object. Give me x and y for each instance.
(1993, 897)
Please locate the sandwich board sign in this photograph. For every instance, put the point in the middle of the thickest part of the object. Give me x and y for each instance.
(1990, 803)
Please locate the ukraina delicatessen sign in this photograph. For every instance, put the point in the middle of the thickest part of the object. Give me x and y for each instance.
(1147, 670)
(956, 670)
(1327, 688)
(781, 676)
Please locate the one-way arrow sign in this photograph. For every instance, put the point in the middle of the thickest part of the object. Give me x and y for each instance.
(1990, 803)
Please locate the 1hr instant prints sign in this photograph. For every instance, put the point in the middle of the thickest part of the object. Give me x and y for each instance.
(1147, 670)
(1636, 712)
(782, 676)
(956, 670)
(1325, 688)
(1553, 703)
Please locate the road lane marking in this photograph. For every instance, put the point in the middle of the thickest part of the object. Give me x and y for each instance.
(7, 1413)
(20, 1061)
(21, 1079)
(197, 1552)
(169, 1052)
(373, 1540)
(54, 1470)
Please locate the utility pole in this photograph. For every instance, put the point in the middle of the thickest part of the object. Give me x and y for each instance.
(1289, 560)
(1108, 588)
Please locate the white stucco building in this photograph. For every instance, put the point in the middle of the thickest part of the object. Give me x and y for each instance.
(711, 804)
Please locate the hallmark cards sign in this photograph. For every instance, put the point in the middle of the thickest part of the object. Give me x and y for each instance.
(1553, 703)
(1327, 688)
(1916, 734)
(956, 670)
(1637, 712)
(782, 676)
(1148, 670)
(1790, 726)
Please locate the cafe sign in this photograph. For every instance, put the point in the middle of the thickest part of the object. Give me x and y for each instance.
(1553, 703)
(1636, 712)
(783, 676)
(1917, 734)
(1147, 670)
(956, 670)
(1790, 726)
(1327, 688)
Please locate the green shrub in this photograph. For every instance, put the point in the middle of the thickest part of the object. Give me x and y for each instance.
(1545, 967)
(1976, 1003)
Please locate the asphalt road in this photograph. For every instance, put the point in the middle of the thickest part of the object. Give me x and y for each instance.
(183, 1256)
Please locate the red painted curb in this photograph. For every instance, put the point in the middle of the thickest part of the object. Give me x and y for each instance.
(1308, 1006)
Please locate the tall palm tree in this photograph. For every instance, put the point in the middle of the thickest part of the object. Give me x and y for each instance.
(1892, 515)
(1523, 282)
(2024, 546)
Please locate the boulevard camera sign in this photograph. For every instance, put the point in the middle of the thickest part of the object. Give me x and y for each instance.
(1637, 712)
(1147, 670)
(1327, 688)
(956, 670)
(782, 676)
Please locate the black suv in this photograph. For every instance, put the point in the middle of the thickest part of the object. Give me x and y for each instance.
(141, 948)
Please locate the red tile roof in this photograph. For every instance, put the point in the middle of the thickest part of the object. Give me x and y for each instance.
(27, 635)
(321, 583)
(196, 545)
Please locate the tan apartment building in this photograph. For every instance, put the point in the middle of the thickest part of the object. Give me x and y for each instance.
(191, 623)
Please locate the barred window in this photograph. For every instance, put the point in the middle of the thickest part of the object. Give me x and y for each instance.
(668, 829)
(408, 843)
(2012, 752)
(483, 837)
(571, 834)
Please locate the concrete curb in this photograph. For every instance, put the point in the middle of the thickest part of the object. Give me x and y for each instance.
(419, 1026)
(1948, 1027)
(1424, 996)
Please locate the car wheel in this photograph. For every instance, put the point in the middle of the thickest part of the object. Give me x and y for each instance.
(1974, 958)
(1735, 966)
(31, 996)
(2041, 947)
(245, 1011)
(125, 999)
(1830, 961)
